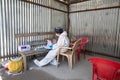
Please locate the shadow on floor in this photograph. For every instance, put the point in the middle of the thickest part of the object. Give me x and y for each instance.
(82, 70)
(28, 75)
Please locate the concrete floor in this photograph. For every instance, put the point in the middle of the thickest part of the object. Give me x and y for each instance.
(82, 70)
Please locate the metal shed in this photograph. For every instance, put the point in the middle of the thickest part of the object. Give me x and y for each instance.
(97, 19)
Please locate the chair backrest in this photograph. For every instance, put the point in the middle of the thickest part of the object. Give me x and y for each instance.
(105, 69)
(75, 45)
(84, 39)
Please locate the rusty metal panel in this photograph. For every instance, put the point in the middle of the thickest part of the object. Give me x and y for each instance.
(58, 19)
(117, 49)
(82, 25)
(92, 4)
(106, 3)
(85, 26)
(3, 39)
(100, 27)
(44, 2)
(73, 25)
(58, 5)
(19, 17)
(39, 19)
(51, 3)
(0, 28)
(105, 25)
(73, 7)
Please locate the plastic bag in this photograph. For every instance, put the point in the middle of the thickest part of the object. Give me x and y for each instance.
(5, 64)
(15, 65)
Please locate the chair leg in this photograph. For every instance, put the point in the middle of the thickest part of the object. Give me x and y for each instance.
(78, 56)
(84, 54)
(58, 59)
(70, 58)
(68, 61)
(63, 58)
(74, 58)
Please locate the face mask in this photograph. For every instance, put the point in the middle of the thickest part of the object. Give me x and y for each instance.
(57, 35)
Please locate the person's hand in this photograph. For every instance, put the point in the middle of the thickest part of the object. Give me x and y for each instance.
(46, 39)
(54, 41)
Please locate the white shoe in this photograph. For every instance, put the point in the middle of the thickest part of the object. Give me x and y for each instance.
(54, 62)
(37, 63)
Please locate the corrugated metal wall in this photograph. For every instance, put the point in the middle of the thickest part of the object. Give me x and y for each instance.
(20, 17)
(59, 18)
(0, 28)
(101, 26)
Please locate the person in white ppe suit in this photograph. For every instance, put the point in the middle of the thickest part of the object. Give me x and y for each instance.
(50, 57)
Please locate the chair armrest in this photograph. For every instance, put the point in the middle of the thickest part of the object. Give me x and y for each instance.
(65, 48)
(71, 44)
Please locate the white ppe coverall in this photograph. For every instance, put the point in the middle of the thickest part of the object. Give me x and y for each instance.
(62, 41)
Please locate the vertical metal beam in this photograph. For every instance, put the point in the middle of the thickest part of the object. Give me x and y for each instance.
(68, 18)
(0, 26)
